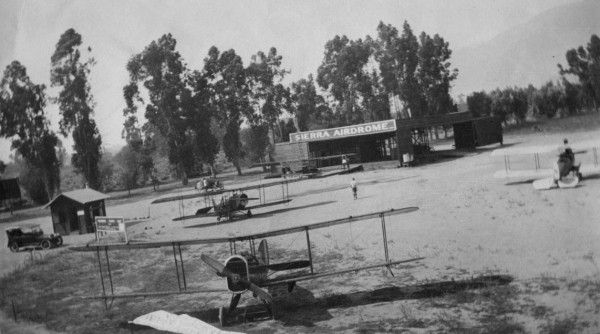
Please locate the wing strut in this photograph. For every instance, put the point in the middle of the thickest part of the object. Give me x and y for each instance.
(177, 268)
(385, 244)
(309, 251)
(112, 292)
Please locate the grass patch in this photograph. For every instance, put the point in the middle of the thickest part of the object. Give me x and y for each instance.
(560, 326)
(49, 291)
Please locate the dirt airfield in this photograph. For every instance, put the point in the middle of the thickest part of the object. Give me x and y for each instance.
(540, 249)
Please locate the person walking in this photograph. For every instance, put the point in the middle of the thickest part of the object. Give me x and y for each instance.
(354, 188)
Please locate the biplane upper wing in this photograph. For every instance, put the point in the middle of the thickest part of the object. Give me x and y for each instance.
(92, 247)
(577, 147)
(213, 193)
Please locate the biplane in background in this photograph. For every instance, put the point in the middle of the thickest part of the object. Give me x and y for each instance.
(209, 184)
(232, 201)
(304, 166)
(245, 270)
(544, 176)
(230, 207)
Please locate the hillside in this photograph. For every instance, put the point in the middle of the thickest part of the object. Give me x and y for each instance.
(528, 53)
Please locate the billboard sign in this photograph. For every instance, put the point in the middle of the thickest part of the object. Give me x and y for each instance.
(343, 132)
(108, 226)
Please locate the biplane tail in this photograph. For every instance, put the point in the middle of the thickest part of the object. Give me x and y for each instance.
(263, 252)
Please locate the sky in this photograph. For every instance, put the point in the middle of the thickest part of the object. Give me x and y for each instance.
(117, 29)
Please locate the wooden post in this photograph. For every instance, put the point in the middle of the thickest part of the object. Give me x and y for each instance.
(14, 309)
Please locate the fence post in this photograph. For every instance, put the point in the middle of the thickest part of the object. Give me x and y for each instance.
(14, 309)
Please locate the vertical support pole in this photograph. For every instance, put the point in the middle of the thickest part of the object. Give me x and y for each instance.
(287, 190)
(595, 156)
(176, 267)
(101, 277)
(234, 249)
(112, 292)
(230, 247)
(14, 309)
(385, 241)
(309, 250)
(182, 269)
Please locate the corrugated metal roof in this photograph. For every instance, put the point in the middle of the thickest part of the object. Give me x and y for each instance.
(81, 196)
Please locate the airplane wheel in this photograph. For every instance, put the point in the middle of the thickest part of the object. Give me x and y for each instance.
(14, 247)
(45, 244)
(222, 315)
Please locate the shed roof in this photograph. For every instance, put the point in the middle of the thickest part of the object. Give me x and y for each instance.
(81, 196)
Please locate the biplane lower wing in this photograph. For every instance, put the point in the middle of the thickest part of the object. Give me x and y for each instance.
(305, 277)
(156, 294)
(516, 174)
(257, 206)
(540, 173)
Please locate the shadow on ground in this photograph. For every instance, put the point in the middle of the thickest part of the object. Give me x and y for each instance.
(301, 308)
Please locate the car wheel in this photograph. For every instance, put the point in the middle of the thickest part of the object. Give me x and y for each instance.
(45, 244)
(14, 247)
(59, 241)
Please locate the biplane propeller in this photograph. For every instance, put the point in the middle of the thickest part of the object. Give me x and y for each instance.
(245, 271)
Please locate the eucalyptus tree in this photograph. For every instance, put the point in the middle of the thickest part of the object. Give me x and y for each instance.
(23, 120)
(584, 63)
(71, 73)
(160, 70)
(226, 76)
(343, 73)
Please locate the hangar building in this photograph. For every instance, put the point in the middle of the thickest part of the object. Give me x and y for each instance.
(389, 139)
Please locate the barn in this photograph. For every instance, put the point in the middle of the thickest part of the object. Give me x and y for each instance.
(67, 207)
(392, 139)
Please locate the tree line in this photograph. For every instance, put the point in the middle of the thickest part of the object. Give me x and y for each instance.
(182, 121)
(577, 90)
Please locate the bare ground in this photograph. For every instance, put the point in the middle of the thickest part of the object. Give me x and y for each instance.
(469, 225)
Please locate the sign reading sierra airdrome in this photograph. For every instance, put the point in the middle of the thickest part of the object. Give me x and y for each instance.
(345, 131)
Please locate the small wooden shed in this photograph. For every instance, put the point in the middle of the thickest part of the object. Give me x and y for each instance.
(64, 209)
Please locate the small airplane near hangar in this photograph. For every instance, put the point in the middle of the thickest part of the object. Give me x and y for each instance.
(233, 203)
(546, 176)
(246, 270)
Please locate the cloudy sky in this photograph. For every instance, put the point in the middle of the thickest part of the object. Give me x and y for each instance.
(117, 29)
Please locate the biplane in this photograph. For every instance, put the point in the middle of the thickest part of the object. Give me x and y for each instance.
(545, 175)
(209, 184)
(230, 207)
(249, 270)
(232, 201)
(308, 165)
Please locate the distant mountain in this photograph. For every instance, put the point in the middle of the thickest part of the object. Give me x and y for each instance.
(528, 53)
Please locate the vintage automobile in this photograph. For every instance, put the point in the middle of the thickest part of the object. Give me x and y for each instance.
(31, 236)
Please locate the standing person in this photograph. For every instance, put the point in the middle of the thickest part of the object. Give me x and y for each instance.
(354, 188)
(344, 162)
